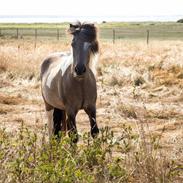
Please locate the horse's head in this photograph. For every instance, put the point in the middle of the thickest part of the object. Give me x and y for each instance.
(84, 43)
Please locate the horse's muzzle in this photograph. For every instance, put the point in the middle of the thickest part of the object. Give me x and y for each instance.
(80, 70)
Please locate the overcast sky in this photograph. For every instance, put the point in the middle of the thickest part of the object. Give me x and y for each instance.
(91, 7)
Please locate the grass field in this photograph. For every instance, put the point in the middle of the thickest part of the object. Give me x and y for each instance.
(139, 112)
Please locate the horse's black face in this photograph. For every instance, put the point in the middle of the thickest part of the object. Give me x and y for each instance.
(81, 54)
(83, 44)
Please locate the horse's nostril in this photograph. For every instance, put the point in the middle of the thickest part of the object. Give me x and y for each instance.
(84, 69)
(80, 70)
(76, 69)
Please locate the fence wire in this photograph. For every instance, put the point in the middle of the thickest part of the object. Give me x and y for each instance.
(109, 34)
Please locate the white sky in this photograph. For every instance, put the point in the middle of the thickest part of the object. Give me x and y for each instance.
(91, 7)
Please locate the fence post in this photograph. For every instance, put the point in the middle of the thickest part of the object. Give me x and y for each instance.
(147, 37)
(17, 33)
(113, 35)
(0, 33)
(35, 41)
(57, 34)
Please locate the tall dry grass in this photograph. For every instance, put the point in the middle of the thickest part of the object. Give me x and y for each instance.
(138, 85)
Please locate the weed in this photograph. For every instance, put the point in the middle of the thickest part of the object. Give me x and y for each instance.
(29, 157)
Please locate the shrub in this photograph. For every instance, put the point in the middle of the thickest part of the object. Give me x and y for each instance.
(180, 21)
(29, 157)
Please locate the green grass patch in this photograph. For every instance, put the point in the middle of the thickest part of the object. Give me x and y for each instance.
(34, 25)
(28, 157)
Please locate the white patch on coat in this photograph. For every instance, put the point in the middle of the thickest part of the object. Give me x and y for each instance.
(62, 67)
(50, 122)
(86, 45)
(51, 75)
(66, 62)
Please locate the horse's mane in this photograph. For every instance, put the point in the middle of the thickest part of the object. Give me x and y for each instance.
(88, 32)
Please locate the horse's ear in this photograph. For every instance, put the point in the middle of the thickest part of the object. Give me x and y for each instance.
(74, 27)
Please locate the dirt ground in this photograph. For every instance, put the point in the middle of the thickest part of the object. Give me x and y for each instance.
(138, 85)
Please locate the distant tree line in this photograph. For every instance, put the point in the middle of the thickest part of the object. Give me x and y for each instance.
(180, 21)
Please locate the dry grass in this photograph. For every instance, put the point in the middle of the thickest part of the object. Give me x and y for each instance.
(23, 59)
(138, 85)
(10, 100)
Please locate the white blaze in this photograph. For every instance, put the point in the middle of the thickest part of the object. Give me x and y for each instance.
(86, 45)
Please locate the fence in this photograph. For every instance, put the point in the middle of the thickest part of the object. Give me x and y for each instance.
(23, 33)
(104, 34)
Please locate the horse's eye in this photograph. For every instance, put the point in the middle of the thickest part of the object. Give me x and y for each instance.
(90, 46)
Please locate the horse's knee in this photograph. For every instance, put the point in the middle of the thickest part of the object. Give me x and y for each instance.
(91, 111)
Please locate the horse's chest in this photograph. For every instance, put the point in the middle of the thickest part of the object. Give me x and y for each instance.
(80, 94)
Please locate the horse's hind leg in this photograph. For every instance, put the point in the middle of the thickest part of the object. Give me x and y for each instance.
(49, 112)
(91, 111)
(50, 122)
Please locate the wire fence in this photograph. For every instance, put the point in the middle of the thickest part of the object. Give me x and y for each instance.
(109, 34)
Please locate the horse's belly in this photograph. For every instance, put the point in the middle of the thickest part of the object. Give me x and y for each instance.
(53, 99)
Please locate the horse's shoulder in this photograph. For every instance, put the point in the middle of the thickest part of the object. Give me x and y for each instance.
(52, 59)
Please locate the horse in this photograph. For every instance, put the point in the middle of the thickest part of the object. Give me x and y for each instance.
(68, 82)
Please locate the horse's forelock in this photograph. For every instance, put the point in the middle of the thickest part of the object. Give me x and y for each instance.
(86, 30)
(89, 31)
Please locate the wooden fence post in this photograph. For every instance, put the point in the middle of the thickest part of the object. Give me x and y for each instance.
(114, 35)
(147, 37)
(57, 34)
(17, 33)
(35, 41)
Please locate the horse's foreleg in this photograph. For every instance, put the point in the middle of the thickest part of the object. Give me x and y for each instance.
(71, 126)
(91, 111)
(57, 117)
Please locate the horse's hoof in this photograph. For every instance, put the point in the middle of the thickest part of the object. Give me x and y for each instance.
(94, 132)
